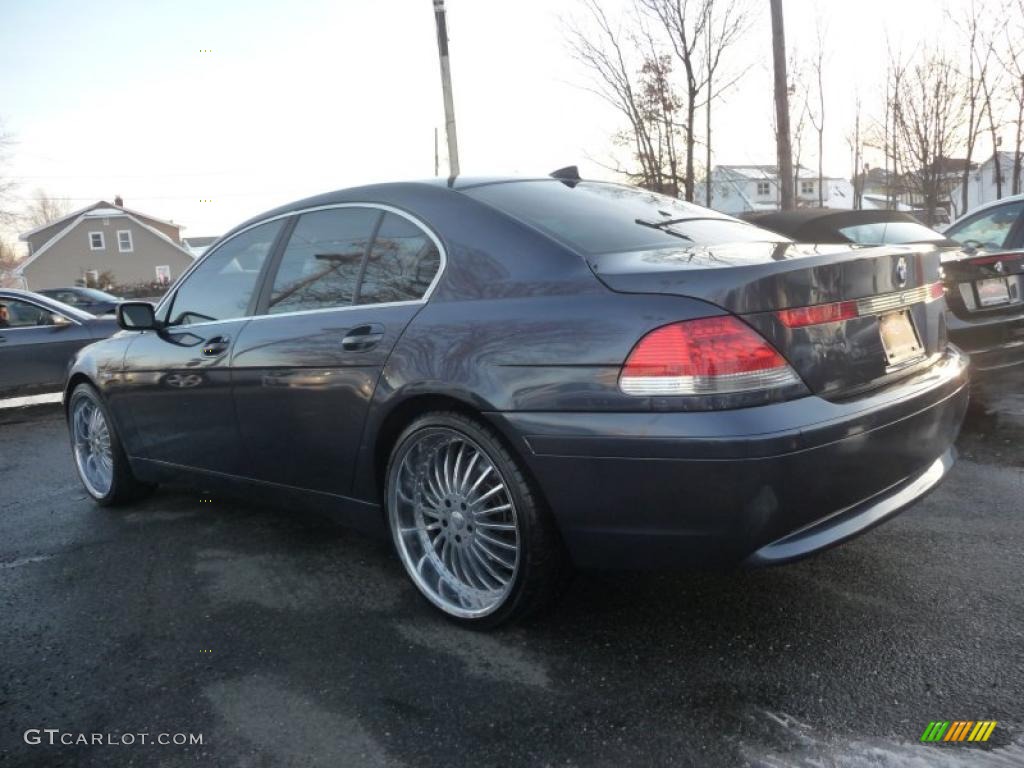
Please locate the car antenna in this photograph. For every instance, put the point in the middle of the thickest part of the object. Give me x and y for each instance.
(570, 175)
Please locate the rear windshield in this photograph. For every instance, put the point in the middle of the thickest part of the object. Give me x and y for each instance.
(595, 218)
(891, 233)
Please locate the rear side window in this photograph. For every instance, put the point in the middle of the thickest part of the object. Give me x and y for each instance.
(402, 263)
(890, 233)
(221, 287)
(320, 267)
(595, 218)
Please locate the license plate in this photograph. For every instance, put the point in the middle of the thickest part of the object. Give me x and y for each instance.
(899, 337)
(993, 292)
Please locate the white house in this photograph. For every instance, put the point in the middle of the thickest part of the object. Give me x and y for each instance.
(982, 185)
(737, 189)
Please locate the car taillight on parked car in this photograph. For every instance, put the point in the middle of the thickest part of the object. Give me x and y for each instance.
(710, 356)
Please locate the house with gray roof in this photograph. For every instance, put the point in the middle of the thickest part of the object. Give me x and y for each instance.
(132, 246)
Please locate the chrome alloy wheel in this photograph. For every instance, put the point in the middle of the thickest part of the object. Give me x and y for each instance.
(454, 522)
(93, 453)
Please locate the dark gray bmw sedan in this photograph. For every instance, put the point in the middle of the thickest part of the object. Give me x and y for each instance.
(512, 377)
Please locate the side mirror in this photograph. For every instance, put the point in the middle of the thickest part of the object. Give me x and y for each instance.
(58, 319)
(136, 316)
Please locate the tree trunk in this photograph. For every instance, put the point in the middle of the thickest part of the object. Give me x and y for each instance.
(691, 109)
(782, 138)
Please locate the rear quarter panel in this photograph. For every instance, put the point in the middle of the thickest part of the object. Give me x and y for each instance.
(517, 323)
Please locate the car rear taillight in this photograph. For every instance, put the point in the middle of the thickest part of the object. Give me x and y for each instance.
(819, 313)
(800, 317)
(710, 356)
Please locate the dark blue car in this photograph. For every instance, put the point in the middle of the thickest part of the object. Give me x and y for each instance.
(512, 377)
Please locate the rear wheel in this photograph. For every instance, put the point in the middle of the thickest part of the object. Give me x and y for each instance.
(99, 458)
(472, 534)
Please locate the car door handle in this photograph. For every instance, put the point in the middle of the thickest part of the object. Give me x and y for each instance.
(216, 346)
(363, 337)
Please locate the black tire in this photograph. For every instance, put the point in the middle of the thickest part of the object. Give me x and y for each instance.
(543, 564)
(124, 486)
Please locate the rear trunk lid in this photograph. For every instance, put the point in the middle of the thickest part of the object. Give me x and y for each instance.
(885, 322)
(986, 285)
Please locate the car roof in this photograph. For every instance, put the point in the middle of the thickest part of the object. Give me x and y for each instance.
(387, 192)
(986, 206)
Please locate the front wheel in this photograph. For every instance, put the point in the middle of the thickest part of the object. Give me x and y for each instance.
(99, 458)
(472, 534)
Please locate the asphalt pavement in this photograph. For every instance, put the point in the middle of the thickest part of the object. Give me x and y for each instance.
(281, 639)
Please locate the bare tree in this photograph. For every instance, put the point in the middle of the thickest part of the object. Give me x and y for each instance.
(816, 115)
(8, 215)
(929, 118)
(799, 110)
(700, 33)
(43, 209)
(639, 91)
(974, 75)
(1011, 58)
(8, 262)
(993, 129)
(855, 142)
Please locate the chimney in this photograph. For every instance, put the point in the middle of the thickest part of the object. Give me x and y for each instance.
(118, 201)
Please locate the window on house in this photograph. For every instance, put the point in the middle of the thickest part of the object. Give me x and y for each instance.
(96, 241)
(806, 187)
(124, 241)
(764, 188)
(163, 274)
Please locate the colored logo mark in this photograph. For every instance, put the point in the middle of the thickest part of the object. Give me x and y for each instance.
(958, 730)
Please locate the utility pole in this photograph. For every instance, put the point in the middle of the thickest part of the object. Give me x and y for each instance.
(782, 138)
(446, 87)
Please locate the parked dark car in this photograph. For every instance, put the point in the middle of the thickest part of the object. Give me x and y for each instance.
(986, 294)
(89, 300)
(38, 338)
(514, 375)
(982, 262)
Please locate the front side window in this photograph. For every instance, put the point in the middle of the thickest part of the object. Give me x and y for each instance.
(320, 267)
(989, 230)
(402, 263)
(221, 287)
(22, 314)
(96, 241)
(124, 241)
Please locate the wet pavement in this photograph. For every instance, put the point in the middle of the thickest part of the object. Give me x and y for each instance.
(283, 639)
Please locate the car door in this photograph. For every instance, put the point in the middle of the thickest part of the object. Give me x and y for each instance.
(345, 288)
(36, 344)
(177, 392)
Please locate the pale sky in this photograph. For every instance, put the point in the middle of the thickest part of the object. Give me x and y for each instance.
(307, 96)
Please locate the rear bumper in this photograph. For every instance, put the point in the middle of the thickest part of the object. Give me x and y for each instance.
(756, 485)
(992, 342)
